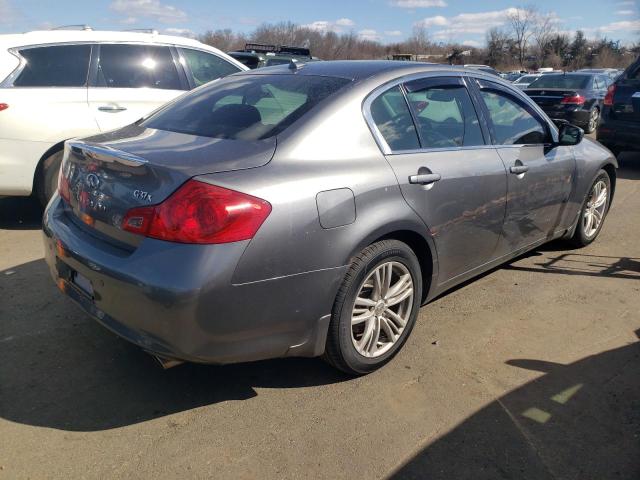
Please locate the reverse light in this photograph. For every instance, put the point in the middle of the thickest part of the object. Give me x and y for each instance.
(574, 100)
(200, 213)
(608, 98)
(3, 106)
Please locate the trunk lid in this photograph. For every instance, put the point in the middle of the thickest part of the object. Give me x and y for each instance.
(550, 97)
(111, 173)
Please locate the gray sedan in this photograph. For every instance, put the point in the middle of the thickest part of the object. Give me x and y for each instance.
(311, 210)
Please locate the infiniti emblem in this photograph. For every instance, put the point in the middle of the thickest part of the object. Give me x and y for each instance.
(92, 180)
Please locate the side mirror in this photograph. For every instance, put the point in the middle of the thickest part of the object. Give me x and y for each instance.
(569, 134)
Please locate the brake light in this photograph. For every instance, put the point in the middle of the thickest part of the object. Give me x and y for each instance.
(200, 213)
(63, 186)
(3, 106)
(574, 100)
(608, 98)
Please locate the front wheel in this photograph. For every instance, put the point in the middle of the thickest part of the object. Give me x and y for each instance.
(594, 210)
(375, 309)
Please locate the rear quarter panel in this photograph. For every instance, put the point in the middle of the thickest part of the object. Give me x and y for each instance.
(332, 149)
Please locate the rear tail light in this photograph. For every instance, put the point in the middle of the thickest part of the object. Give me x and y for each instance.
(3, 106)
(608, 98)
(574, 100)
(63, 186)
(200, 213)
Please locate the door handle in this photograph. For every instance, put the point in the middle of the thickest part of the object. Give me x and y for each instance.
(425, 179)
(111, 108)
(519, 169)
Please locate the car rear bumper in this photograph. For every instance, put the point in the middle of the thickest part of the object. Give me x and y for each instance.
(576, 117)
(616, 133)
(178, 301)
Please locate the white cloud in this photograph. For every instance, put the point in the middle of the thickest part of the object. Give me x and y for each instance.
(393, 33)
(345, 22)
(466, 23)
(180, 32)
(330, 26)
(152, 9)
(623, 26)
(471, 43)
(628, 3)
(418, 3)
(625, 13)
(438, 20)
(369, 34)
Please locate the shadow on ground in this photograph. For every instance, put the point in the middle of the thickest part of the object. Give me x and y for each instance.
(20, 213)
(579, 421)
(60, 369)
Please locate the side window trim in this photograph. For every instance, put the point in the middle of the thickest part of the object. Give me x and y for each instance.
(181, 67)
(496, 87)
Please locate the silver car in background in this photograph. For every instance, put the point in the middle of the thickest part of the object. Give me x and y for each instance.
(311, 210)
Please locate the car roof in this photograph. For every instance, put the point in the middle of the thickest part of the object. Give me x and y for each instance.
(361, 69)
(38, 37)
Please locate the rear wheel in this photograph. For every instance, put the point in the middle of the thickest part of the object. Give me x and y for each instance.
(47, 181)
(375, 309)
(594, 210)
(594, 119)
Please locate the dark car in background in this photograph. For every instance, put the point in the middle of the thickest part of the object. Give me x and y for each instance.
(620, 123)
(574, 97)
(257, 55)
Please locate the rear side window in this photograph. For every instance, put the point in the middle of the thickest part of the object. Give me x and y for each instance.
(137, 66)
(249, 107)
(55, 66)
(393, 120)
(206, 67)
(446, 117)
(512, 123)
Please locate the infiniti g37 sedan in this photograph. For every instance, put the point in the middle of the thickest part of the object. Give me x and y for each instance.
(311, 210)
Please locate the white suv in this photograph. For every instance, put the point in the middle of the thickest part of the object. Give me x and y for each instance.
(60, 84)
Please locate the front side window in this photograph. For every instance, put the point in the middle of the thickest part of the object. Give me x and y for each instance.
(206, 67)
(55, 66)
(247, 107)
(512, 123)
(393, 120)
(445, 117)
(137, 66)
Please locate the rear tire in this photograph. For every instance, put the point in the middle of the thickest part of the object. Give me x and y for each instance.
(357, 346)
(47, 181)
(594, 120)
(586, 230)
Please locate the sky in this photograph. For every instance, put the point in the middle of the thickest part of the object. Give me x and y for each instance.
(462, 21)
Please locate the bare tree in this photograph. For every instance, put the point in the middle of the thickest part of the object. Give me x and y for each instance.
(521, 22)
(544, 29)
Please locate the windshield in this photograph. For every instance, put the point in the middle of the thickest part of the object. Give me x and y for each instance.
(248, 107)
(562, 81)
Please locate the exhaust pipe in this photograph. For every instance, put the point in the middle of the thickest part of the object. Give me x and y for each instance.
(167, 363)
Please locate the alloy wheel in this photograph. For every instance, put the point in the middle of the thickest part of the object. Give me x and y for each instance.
(595, 209)
(382, 309)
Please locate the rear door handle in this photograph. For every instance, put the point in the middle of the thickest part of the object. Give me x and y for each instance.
(425, 179)
(519, 169)
(111, 108)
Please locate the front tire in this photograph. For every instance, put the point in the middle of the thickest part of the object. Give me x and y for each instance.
(375, 309)
(47, 181)
(594, 211)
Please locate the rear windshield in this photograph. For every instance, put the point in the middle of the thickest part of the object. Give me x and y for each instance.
(249, 107)
(562, 81)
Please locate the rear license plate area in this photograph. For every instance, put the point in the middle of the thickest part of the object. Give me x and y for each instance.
(82, 283)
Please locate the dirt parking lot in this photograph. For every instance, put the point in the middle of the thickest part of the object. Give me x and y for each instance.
(530, 372)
